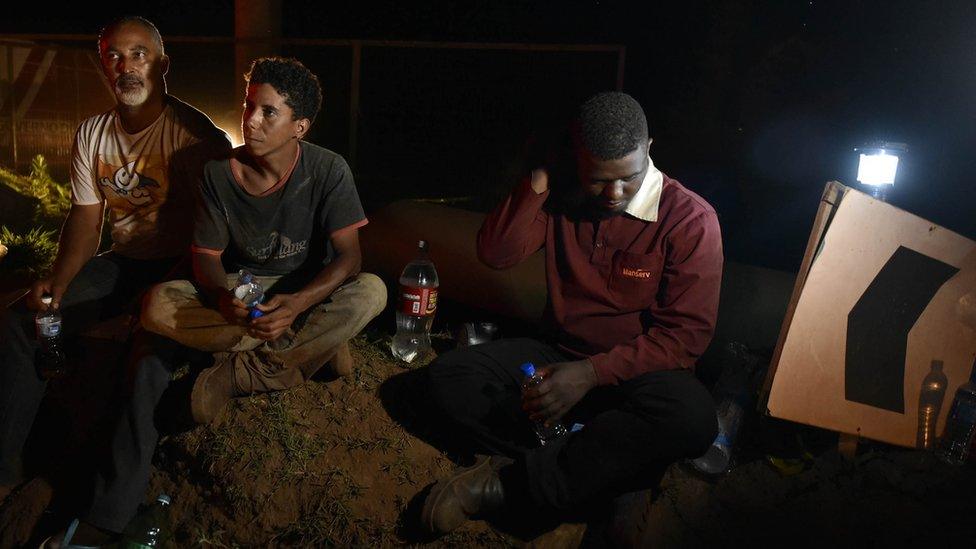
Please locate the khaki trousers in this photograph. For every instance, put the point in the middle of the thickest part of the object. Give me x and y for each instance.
(174, 310)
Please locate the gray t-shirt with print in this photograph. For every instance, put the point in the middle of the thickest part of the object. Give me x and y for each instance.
(285, 231)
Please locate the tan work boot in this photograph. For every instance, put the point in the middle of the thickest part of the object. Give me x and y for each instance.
(471, 491)
(341, 363)
(212, 390)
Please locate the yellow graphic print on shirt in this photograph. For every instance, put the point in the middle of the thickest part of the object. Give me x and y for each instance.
(132, 186)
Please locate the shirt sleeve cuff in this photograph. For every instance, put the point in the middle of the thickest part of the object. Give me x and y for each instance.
(347, 228)
(85, 203)
(525, 193)
(206, 251)
(601, 365)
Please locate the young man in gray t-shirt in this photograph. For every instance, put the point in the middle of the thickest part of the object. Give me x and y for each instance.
(288, 212)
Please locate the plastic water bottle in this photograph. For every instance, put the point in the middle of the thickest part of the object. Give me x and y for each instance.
(734, 391)
(50, 363)
(930, 405)
(147, 528)
(719, 455)
(961, 424)
(545, 433)
(417, 305)
(249, 291)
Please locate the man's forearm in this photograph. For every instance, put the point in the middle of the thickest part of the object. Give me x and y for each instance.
(78, 242)
(328, 279)
(515, 229)
(210, 275)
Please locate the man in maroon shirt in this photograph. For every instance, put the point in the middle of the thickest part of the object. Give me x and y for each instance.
(633, 268)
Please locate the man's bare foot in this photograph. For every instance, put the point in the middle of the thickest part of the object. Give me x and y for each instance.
(22, 510)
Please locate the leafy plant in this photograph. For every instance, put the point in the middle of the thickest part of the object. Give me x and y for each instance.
(30, 254)
(53, 198)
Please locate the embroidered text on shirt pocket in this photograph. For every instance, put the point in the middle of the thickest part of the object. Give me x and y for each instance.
(634, 277)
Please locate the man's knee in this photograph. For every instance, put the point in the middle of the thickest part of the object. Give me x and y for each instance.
(371, 293)
(157, 312)
(679, 407)
(457, 385)
(444, 390)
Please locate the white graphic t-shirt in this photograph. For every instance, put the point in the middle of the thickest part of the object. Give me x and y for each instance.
(149, 179)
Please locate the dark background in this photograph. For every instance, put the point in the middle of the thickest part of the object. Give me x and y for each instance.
(753, 104)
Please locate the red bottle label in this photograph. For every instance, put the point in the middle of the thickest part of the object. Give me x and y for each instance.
(418, 301)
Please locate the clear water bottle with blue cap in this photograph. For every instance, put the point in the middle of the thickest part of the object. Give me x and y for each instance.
(148, 528)
(545, 433)
(718, 457)
(250, 292)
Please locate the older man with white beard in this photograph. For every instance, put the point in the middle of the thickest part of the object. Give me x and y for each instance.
(142, 162)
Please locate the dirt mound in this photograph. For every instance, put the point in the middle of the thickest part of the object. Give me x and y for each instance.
(322, 464)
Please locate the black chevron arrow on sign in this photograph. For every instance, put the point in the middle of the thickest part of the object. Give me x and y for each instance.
(878, 326)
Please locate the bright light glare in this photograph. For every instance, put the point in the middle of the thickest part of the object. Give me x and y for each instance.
(234, 135)
(877, 169)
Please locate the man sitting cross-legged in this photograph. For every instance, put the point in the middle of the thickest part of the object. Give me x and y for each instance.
(633, 270)
(288, 212)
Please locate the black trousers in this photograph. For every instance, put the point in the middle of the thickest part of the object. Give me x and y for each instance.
(122, 476)
(631, 432)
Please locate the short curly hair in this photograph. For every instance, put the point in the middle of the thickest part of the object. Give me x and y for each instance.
(289, 77)
(610, 125)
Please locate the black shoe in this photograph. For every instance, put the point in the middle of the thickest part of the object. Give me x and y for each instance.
(471, 491)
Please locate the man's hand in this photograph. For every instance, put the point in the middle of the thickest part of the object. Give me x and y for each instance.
(279, 312)
(45, 286)
(231, 308)
(564, 385)
(540, 181)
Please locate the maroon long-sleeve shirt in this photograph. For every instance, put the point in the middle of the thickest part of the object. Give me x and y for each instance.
(634, 296)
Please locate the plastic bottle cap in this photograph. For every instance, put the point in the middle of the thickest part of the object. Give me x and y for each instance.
(47, 300)
(528, 369)
(163, 498)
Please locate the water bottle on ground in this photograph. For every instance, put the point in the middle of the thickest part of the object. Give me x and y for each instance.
(930, 400)
(147, 529)
(250, 291)
(555, 429)
(961, 424)
(734, 391)
(50, 363)
(719, 455)
(417, 305)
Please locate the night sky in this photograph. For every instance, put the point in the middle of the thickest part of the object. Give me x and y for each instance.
(755, 105)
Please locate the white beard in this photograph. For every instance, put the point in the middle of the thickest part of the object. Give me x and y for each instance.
(132, 98)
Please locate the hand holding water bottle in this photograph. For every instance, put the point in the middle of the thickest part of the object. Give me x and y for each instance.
(277, 315)
(563, 385)
(232, 309)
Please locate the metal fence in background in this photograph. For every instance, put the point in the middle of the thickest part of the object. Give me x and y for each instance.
(412, 118)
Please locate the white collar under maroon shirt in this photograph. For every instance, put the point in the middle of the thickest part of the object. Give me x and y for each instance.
(648, 197)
